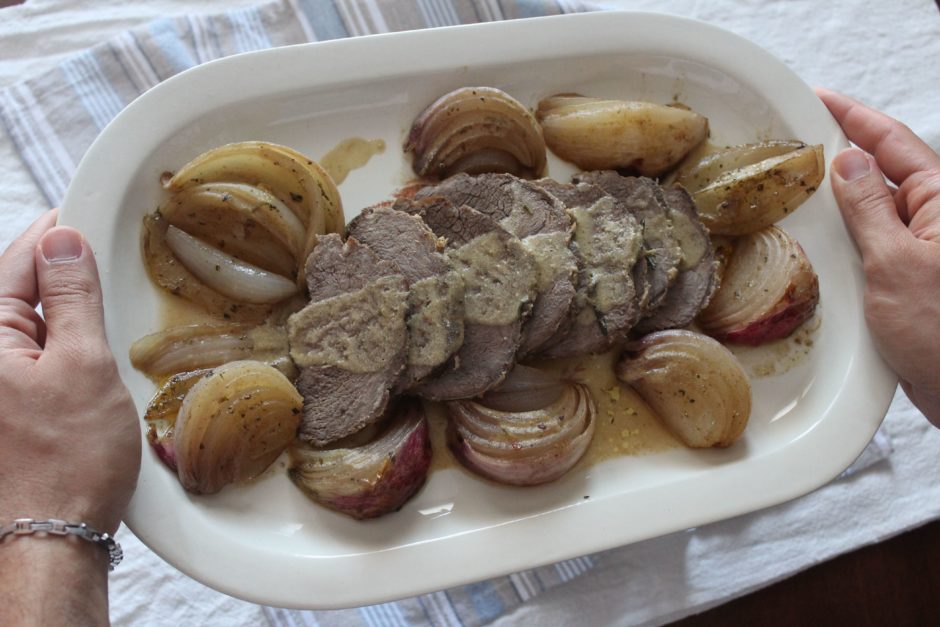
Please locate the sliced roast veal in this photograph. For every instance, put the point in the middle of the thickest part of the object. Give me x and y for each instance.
(499, 278)
(435, 297)
(697, 279)
(644, 199)
(350, 341)
(540, 221)
(608, 243)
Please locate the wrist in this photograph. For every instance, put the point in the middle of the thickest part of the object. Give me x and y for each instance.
(53, 580)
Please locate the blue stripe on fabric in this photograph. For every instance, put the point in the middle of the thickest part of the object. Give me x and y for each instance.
(248, 31)
(453, 608)
(486, 601)
(164, 36)
(99, 99)
(531, 8)
(324, 19)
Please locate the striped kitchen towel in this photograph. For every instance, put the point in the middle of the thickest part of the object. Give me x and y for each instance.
(53, 118)
(51, 133)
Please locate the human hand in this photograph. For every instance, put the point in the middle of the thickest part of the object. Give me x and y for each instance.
(898, 233)
(69, 433)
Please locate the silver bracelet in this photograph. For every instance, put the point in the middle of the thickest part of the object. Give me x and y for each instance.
(53, 527)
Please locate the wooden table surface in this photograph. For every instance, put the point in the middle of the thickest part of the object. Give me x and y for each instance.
(896, 582)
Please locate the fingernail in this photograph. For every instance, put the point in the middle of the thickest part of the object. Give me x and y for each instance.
(61, 245)
(852, 164)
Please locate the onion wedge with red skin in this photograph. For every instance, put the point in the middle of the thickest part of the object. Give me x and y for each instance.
(694, 384)
(476, 130)
(232, 424)
(371, 479)
(523, 448)
(162, 410)
(768, 289)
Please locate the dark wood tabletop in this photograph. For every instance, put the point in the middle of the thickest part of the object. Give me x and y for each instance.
(896, 582)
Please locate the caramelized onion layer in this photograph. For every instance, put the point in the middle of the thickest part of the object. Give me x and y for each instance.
(768, 289)
(233, 424)
(693, 383)
(599, 134)
(476, 130)
(524, 448)
(374, 478)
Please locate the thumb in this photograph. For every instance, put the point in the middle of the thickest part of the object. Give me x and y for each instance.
(867, 205)
(69, 290)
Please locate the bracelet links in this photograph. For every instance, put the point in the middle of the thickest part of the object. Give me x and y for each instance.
(56, 527)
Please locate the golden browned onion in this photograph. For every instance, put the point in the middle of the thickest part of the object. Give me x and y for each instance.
(197, 346)
(242, 220)
(233, 424)
(742, 189)
(260, 164)
(524, 447)
(599, 134)
(693, 383)
(768, 289)
(476, 130)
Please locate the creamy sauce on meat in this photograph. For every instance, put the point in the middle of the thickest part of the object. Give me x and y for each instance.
(552, 256)
(609, 251)
(435, 303)
(497, 281)
(348, 155)
(692, 243)
(360, 332)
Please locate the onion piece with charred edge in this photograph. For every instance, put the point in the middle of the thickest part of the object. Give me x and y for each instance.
(768, 289)
(162, 410)
(371, 479)
(600, 134)
(523, 448)
(476, 130)
(233, 424)
(693, 383)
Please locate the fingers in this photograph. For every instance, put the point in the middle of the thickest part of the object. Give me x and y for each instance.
(897, 150)
(867, 205)
(17, 265)
(69, 291)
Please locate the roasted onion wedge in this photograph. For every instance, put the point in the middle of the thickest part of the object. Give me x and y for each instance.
(265, 165)
(166, 271)
(693, 383)
(197, 346)
(371, 479)
(328, 198)
(768, 289)
(742, 189)
(523, 448)
(599, 134)
(228, 275)
(233, 424)
(476, 130)
(162, 410)
(243, 220)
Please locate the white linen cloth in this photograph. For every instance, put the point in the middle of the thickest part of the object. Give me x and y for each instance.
(883, 54)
